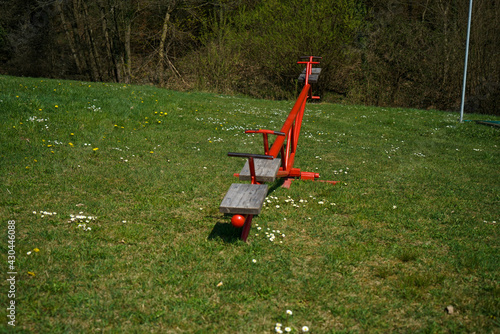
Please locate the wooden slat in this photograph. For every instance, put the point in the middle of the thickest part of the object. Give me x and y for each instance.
(244, 199)
(265, 170)
(313, 78)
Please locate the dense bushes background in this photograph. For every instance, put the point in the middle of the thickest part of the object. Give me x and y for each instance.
(379, 52)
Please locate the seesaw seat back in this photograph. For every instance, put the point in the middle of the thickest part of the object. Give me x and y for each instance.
(265, 170)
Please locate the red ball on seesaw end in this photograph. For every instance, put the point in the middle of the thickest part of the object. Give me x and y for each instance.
(238, 220)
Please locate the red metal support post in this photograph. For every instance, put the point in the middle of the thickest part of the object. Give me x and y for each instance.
(251, 165)
(246, 228)
(265, 134)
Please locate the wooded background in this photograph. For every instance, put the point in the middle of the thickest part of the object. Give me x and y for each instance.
(407, 53)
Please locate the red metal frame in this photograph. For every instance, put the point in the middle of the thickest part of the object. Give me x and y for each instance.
(285, 143)
(287, 138)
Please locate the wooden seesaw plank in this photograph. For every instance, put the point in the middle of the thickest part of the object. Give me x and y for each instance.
(313, 78)
(244, 199)
(265, 170)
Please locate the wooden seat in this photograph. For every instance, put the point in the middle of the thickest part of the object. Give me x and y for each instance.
(265, 170)
(244, 199)
(313, 78)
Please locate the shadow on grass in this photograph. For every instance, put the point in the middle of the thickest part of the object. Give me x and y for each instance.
(278, 183)
(225, 232)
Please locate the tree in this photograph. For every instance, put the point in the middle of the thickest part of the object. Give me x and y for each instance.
(383, 52)
(253, 49)
(415, 51)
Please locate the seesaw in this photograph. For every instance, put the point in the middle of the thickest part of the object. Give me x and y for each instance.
(245, 200)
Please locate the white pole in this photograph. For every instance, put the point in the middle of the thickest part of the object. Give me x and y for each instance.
(465, 65)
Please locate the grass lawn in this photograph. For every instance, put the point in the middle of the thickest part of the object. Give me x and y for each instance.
(115, 189)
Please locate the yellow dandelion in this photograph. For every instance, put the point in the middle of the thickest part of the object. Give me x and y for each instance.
(71, 144)
(56, 106)
(72, 134)
(36, 250)
(31, 273)
(151, 152)
(49, 145)
(95, 149)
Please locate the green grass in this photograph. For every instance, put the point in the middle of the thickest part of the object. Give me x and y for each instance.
(412, 227)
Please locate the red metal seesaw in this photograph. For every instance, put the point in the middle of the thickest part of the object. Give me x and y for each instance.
(245, 200)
